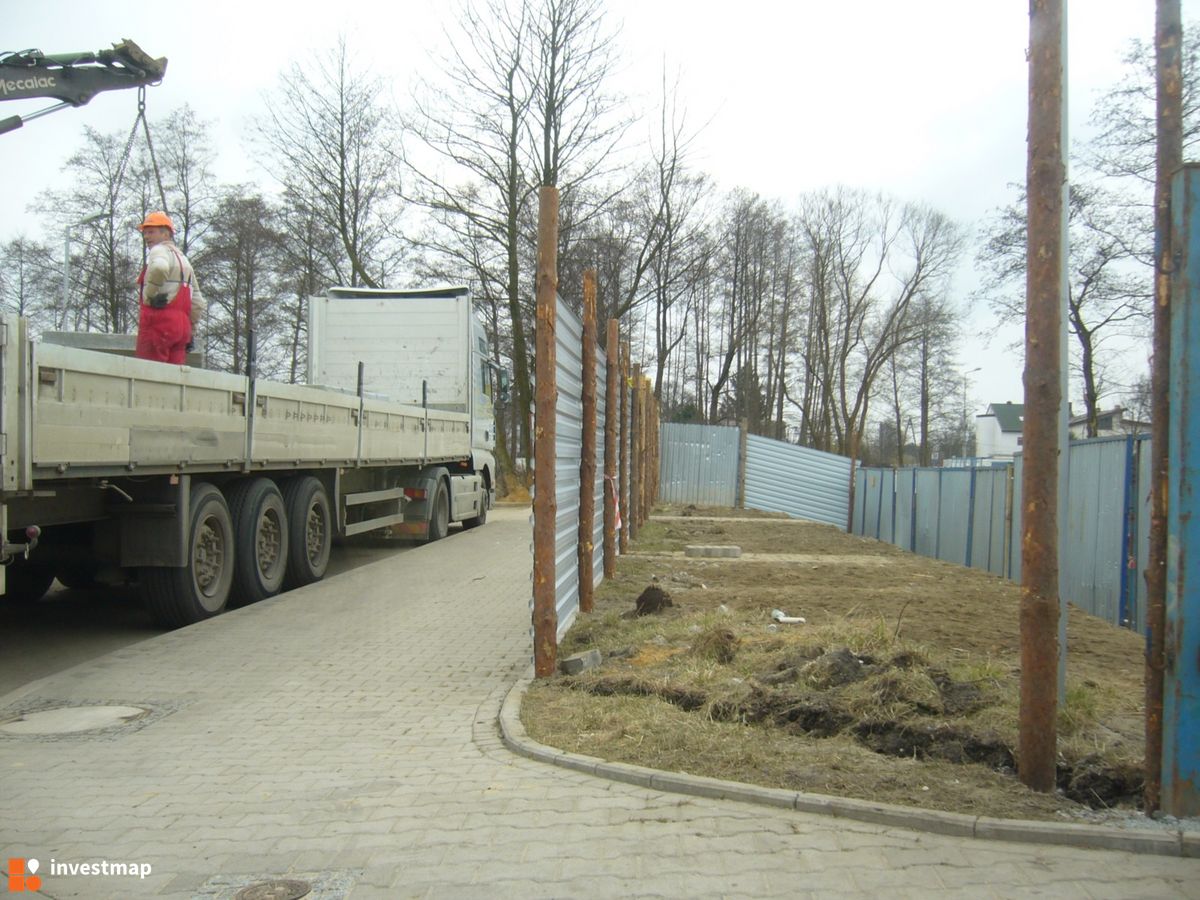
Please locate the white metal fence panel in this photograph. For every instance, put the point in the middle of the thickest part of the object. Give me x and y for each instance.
(598, 485)
(698, 464)
(568, 451)
(799, 481)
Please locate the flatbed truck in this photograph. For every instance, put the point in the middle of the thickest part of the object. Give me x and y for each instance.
(203, 487)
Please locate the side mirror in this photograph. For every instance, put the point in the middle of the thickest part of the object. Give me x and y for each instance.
(502, 384)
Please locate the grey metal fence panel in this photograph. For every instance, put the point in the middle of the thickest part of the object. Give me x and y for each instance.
(872, 484)
(1014, 555)
(927, 495)
(1141, 503)
(569, 447)
(887, 506)
(998, 527)
(857, 524)
(698, 464)
(1093, 569)
(954, 514)
(905, 485)
(799, 481)
(981, 519)
(598, 486)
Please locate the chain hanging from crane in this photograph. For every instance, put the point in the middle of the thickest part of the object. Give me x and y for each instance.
(141, 118)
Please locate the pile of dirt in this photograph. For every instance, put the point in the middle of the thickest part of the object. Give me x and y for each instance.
(901, 686)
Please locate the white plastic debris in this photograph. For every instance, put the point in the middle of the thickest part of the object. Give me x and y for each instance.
(783, 618)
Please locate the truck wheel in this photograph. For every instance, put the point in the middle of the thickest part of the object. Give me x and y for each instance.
(26, 582)
(182, 596)
(439, 520)
(480, 519)
(260, 542)
(310, 531)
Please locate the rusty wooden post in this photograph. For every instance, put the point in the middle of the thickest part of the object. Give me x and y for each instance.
(545, 507)
(1038, 737)
(626, 447)
(1168, 40)
(587, 459)
(635, 456)
(612, 409)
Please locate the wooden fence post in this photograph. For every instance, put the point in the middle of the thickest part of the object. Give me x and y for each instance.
(612, 410)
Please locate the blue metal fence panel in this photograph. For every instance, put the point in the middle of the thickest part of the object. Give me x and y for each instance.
(998, 527)
(799, 481)
(1094, 560)
(905, 488)
(954, 514)
(860, 489)
(1014, 547)
(698, 464)
(981, 519)
(926, 503)
(1142, 505)
(887, 506)
(873, 483)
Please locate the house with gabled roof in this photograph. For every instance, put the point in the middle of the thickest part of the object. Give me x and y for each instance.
(998, 432)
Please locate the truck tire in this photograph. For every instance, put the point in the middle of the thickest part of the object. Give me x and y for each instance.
(439, 516)
(26, 582)
(260, 541)
(310, 531)
(175, 597)
(480, 519)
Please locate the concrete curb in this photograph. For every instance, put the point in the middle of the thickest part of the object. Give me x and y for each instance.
(1175, 843)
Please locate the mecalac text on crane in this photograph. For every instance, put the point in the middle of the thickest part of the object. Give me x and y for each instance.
(25, 84)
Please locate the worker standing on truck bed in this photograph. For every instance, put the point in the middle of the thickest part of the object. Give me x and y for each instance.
(168, 296)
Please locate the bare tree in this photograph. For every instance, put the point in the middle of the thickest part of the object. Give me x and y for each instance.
(1107, 297)
(331, 140)
(27, 283)
(241, 287)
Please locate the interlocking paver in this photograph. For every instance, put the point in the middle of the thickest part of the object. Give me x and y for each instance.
(351, 727)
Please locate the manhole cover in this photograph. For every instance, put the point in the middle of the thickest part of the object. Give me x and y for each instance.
(282, 889)
(70, 719)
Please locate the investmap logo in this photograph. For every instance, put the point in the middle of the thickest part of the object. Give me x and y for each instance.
(23, 873)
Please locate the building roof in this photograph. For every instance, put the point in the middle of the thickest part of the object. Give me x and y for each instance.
(1010, 416)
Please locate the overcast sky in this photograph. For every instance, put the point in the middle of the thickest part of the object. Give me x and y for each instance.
(922, 99)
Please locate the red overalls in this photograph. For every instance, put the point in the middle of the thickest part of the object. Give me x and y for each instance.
(163, 334)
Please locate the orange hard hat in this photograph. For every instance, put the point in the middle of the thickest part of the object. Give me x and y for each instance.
(157, 219)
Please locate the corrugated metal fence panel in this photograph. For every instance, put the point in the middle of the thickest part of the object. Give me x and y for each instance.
(598, 487)
(905, 486)
(926, 499)
(954, 514)
(981, 519)
(887, 505)
(1014, 564)
(802, 482)
(858, 523)
(1141, 503)
(870, 502)
(569, 446)
(998, 527)
(698, 464)
(1095, 532)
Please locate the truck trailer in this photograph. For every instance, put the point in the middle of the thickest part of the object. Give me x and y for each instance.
(204, 488)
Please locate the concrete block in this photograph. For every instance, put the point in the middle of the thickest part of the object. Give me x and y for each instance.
(580, 662)
(723, 552)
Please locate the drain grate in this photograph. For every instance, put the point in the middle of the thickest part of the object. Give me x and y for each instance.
(280, 889)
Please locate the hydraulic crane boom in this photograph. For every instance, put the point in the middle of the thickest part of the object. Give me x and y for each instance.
(73, 78)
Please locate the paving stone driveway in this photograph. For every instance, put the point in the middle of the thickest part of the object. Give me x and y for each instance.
(345, 734)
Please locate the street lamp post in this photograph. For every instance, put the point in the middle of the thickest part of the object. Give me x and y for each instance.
(66, 283)
(965, 432)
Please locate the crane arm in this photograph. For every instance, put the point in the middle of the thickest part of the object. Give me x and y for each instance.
(73, 78)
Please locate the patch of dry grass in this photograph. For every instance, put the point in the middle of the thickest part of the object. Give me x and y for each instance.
(903, 674)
